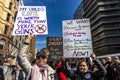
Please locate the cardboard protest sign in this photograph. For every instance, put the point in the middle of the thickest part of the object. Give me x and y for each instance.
(55, 46)
(31, 20)
(77, 38)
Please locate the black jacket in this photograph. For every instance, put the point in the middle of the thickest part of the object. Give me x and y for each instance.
(90, 75)
(115, 71)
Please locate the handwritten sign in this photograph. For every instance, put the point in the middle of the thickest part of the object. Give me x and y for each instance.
(77, 38)
(31, 20)
(55, 46)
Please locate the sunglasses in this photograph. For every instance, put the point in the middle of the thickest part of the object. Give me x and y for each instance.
(38, 57)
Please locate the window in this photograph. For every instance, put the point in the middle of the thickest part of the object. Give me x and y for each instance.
(8, 17)
(2, 43)
(10, 5)
(6, 29)
(1, 46)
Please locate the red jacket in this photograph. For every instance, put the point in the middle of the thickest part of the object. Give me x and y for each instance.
(60, 74)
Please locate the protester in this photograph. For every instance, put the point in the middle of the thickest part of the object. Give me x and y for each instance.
(8, 67)
(40, 70)
(83, 73)
(46, 51)
(108, 65)
(115, 69)
(60, 73)
(18, 73)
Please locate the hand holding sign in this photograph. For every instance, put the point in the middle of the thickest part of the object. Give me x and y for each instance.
(63, 57)
(28, 39)
(93, 56)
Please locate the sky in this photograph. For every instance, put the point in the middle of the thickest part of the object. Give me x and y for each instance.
(57, 11)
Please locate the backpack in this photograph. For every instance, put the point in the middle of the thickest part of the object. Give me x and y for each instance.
(1, 74)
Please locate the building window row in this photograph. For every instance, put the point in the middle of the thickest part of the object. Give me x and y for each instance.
(110, 13)
(92, 4)
(109, 26)
(91, 10)
(109, 6)
(112, 32)
(105, 14)
(105, 20)
(98, 36)
(106, 1)
(113, 40)
(86, 4)
(99, 43)
(98, 30)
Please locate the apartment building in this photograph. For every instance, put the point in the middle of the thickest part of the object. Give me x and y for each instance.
(104, 18)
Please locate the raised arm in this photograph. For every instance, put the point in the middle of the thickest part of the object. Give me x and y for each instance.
(22, 57)
(101, 72)
(65, 68)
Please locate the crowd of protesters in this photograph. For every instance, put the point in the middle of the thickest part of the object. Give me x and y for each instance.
(91, 68)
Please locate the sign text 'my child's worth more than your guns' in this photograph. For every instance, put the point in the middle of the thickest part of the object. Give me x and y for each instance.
(31, 20)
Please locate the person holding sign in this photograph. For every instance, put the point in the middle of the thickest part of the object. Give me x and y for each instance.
(83, 72)
(40, 70)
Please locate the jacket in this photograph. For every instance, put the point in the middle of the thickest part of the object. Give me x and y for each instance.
(115, 71)
(60, 74)
(26, 65)
(7, 69)
(89, 75)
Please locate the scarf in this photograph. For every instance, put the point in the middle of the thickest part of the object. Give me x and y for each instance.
(37, 70)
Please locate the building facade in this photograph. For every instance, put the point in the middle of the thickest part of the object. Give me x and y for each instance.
(9, 44)
(104, 17)
(7, 12)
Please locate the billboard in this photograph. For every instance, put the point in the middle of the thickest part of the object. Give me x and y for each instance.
(77, 38)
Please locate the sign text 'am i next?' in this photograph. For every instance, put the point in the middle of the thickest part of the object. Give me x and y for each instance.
(77, 38)
(31, 20)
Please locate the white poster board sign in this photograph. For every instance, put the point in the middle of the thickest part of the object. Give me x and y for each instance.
(77, 38)
(31, 20)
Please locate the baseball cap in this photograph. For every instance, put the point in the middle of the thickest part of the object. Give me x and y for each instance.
(40, 54)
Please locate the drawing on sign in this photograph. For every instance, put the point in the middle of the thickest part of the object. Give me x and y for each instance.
(40, 28)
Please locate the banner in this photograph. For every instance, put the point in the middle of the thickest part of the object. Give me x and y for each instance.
(77, 38)
(55, 46)
(31, 20)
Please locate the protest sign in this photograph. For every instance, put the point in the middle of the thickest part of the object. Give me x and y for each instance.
(31, 20)
(77, 38)
(55, 46)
